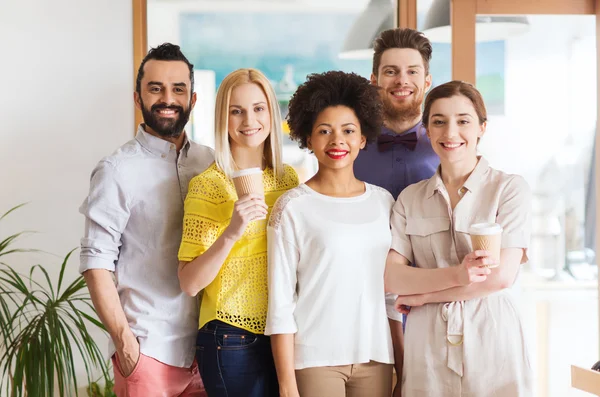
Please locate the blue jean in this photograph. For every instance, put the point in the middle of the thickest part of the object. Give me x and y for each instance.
(234, 362)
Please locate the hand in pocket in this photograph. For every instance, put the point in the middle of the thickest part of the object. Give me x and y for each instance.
(128, 357)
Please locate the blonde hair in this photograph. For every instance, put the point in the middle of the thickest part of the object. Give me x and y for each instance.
(273, 144)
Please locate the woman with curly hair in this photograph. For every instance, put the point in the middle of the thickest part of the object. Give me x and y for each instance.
(327, 245)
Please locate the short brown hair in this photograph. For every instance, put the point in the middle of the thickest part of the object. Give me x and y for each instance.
(401, 38)
(455, 88)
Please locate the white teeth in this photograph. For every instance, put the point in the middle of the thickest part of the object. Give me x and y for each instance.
(250, 132)
(401, 93)
(336, 153)
(166, 111)
(451, 145)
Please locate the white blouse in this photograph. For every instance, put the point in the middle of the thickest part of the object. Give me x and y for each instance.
(326, 260)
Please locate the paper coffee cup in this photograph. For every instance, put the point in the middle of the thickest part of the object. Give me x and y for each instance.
(487, 237)
(248, 181)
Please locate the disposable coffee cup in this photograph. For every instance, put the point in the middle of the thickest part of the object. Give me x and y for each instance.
(249, 180)
(487, 237)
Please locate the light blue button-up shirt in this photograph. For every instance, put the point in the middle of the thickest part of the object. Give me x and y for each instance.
(134, 215)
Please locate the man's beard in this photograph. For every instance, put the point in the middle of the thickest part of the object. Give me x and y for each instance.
(405, 112)
(166, 127)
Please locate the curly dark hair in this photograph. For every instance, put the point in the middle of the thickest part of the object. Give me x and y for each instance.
(164, 52)
(334, 88)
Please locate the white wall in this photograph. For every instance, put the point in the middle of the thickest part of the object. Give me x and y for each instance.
(66, 72)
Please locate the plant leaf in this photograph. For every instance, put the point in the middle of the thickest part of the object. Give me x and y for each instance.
(43, 330)
(12, 209)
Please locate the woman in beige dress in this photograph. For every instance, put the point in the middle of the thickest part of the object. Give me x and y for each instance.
(463, 334)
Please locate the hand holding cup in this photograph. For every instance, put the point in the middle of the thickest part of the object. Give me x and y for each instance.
(251, 200)
(249, 208)
(474, 267)
(487, 237)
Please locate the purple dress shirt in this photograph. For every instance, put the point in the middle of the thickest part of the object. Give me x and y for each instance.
(399, 166)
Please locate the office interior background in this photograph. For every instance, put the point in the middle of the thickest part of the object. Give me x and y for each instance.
(68, 73)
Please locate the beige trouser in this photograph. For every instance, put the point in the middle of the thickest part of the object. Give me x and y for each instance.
(371, 379)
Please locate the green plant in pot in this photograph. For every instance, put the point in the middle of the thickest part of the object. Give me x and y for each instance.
(44, 327)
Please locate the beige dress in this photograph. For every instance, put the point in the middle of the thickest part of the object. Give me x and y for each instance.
(473, 348)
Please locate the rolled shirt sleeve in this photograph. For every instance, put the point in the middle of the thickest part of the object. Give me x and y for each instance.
(400, 240)
(514, 215)
(107, 212)
(283, 257)
(390, 307)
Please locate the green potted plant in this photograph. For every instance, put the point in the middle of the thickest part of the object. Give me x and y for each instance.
(44, 326)
(95, 389)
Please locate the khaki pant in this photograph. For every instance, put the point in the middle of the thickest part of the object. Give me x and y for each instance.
(371, 379)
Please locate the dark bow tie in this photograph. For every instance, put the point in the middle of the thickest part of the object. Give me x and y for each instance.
(385, 142)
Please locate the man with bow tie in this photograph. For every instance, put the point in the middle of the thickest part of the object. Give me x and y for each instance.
(402, 154)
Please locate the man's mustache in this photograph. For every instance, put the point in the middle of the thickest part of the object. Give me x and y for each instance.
(171, 107)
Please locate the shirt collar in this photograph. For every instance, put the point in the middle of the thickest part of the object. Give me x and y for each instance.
(418, 128)
(472, 183)
(476, 178)
(158, 146)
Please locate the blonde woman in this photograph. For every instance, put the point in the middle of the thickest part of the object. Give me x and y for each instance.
(223, 252)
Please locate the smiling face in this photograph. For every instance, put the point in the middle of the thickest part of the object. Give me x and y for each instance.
(403, 81)
(336, 137)
(165, 99)
(454, 129)
(249, 121)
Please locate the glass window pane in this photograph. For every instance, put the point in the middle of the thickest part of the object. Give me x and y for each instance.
(540, 87)
(285, 40)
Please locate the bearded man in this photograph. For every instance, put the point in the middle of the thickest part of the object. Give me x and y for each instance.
(403, 154)
(134, 215)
